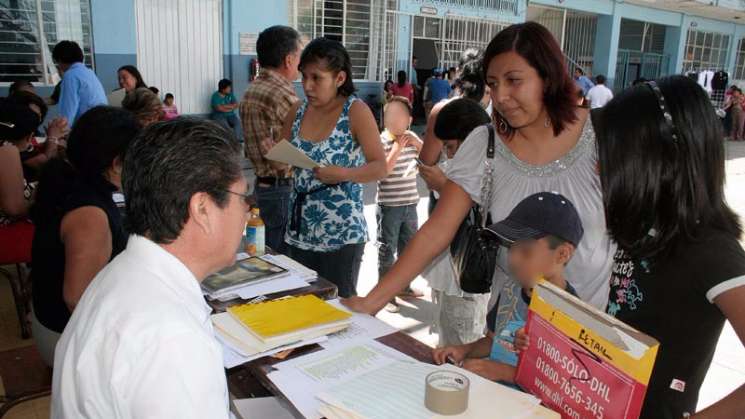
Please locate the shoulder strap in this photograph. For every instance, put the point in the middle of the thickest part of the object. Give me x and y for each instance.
(490, 145)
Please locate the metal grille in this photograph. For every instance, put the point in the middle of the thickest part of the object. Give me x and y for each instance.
(30, 28)
(501, 5)
(574, 31)
(463, 33)
(358, 24)
(740, 61)
(705, 51)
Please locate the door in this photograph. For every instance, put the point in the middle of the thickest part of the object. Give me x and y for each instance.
(179, 49)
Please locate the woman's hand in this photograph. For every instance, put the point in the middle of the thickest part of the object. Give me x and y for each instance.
(359, 305)
(331, 175)
(455, 354)
(433, 176)
(57, 128)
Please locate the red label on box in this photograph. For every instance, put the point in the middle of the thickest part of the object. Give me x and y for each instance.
(573, 381)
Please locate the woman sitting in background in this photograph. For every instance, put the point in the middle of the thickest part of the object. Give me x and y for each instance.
(78, 227)
(130, 78)
(144, 105)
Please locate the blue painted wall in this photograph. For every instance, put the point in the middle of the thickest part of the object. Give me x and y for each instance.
(114, 38)
(247, 16)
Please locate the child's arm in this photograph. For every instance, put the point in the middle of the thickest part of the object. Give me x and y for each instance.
(458, 353)
(491, 370)
(392, 157)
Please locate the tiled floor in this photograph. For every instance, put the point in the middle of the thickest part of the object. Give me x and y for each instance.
(726, 373)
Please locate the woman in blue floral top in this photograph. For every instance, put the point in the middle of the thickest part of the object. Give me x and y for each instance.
(327, 230)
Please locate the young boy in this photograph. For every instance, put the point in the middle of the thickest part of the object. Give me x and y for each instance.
(542, 233)
(397, 194)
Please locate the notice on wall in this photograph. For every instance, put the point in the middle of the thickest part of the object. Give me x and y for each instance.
(247, 43)
(582, 362)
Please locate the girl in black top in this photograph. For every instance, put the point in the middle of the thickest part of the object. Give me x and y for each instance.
(680, 271)
(78, 227)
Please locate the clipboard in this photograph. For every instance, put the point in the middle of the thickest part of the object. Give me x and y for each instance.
(286, 153)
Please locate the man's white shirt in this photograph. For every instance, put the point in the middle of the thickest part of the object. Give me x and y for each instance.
(140, 344)
(599, 96)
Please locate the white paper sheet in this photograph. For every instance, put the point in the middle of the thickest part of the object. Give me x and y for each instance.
(286, 153)
(232, 356)
(293, 266)
(363, 328)
(261, 407)
(297, 378)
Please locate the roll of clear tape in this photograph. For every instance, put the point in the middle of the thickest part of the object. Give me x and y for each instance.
(446, 392)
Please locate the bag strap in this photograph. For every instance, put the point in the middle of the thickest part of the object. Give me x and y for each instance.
(486, 181)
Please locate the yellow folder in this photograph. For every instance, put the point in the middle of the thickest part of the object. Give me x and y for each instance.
(279, 317)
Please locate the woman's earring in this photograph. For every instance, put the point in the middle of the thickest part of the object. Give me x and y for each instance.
(502, 126)
(547, 122)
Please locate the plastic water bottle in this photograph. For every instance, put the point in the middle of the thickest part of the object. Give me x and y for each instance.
(255, 234)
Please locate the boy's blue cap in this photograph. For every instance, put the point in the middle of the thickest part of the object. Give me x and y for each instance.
(540, 215)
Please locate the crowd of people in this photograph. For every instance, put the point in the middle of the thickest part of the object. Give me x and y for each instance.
(125, 210)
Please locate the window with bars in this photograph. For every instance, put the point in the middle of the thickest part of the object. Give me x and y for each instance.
(29, 29)
(740, 61)
(705, 51)
(355, 23)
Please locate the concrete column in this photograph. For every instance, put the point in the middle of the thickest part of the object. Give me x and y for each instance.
(606, 47)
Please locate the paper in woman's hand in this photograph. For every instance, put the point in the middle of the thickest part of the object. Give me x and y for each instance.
(286, 153)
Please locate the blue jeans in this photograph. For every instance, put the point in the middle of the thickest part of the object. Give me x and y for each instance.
(342, 267)
(396, 226)
(274, 204)
(232, 123)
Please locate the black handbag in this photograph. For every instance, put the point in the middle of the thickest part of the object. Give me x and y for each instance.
(474, 256)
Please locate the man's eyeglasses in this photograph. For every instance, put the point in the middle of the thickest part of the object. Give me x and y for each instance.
(247, 199)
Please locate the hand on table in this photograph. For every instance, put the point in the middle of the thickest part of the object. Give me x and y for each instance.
(456, 354)
(359, 305)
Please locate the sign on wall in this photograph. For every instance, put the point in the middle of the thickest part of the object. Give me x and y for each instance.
(247, 43)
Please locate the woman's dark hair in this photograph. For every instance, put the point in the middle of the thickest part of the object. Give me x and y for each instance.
(98, 137)
(458, 118)
(334, 57)
(169, 96)
(387, 84)
(659, 190)
(538, 47)
(471, 81)
(17, 121)
(167, 164)
(275, 43)
(67, 52)
(401, 75)
(18, 85)
(27, 98)
(135, 73)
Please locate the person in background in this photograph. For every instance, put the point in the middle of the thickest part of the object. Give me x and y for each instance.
(387, 91)
(36, 155)
(734, 105)
(144, 105)
(224, 104)
(639, 81)
(264, 107)
(543, 142)
(130, 78)
(17, 126)
(80, 89)
(140, 342)
(599, 94)
(403, 88)
(583, 82)
(460, 316)
(327, 230)
(170, 111)
(471, 85)
(438, 90)
(542, 233)
(78, 226)
(413, 78)
(20, 86)
(398, 195)
(679, 273)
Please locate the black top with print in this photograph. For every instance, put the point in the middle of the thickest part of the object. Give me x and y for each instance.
(668, 301)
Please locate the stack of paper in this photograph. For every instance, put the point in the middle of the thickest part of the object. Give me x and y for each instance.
(255, 329)
(248, 272)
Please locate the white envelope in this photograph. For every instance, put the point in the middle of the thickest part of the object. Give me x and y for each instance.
(286, 153)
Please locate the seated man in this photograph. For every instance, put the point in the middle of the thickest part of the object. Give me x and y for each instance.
(140, 342)
(223, 104)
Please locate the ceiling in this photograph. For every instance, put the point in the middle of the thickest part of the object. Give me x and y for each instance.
(727, 10)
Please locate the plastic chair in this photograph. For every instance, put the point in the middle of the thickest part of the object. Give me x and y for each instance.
(15, 249)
